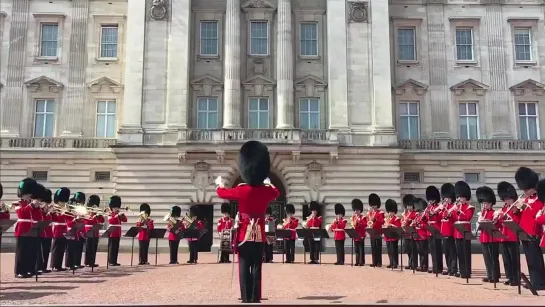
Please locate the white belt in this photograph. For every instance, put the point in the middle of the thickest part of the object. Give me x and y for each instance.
(432, 222)
(25, 221)
(59, 224)
(116, 225)
(461, 222)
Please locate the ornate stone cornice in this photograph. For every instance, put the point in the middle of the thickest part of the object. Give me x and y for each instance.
(528, 87)
(469, 84)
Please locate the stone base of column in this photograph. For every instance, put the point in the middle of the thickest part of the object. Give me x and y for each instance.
(383, 136)
(9, 134)
(130, 136)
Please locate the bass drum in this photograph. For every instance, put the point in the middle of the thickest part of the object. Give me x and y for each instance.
(226, 241)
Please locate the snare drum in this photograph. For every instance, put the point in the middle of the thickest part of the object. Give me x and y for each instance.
(226, 242)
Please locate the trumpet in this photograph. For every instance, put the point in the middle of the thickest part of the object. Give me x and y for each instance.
(284, 224)
(354, 220)
(305, 222)
(7, 208)
(143, 217)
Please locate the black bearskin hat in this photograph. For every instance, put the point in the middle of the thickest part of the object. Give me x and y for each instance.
(408, 201)
(115, 202)
(391, 206)
(314, 206)
(540, 188)
(374, 200)
(290, 209)
(225, 208)
(357, 204)
(420, 204)
(38, 192)
(93, 200)
(48, 196)
(462, 189)
(62, 195)
(447, 191)
(526, 178)
(254, 162)
(26, 186)
(269, 211)
(485, 194)
(432, 194)
(1, 191)
(175, 211)
(79, 197)
(507, 191)
(339, 209)
(146, 208)
(193, 211)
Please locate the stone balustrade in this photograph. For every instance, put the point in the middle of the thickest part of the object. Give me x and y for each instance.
(472, 145)
(56, 143)
(274, 136)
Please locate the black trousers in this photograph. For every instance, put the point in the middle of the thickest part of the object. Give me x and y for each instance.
(268, 253)
(113, 247)
(436, 251)
(339, 249)
(534, 259)
(376, 251)
(463, 251)
(57, 252)
(393, 252)
(491, 255)
(449, 249)
(79, 251)
(173, 248)
(289, 249)
(23, 248)
(45, 248)
(143, 249)
(249, 270)
(91, 246)
(510, 264)
(314, 247)
(422, 248)
(409, 246)
(359, 247)
(193, 251)
(224, 257)
(71, 252)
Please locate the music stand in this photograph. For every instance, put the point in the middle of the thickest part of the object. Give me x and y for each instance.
(410, 231)
(467, 236)
(319, 234)
(354, 235)
(132, 233)
(494, 232)
(435, 234)
(91, 234)
(283, 234)
(522, 236)
(157, 234)
(72, 235)
(394, 233)
(306, 234)
(269, 232)
(106, 234)
(34, 232)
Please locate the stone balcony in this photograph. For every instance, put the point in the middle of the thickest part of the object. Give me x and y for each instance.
(472, 145)
(270, 136)
(66, 143)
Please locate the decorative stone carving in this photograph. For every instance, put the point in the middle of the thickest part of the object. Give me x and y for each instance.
(471, 85)
(220, 156)
(44, 83)
(418, 87)
(257, 85)
(314, 176)
(358, 11)
(310, 85)
(105, 84)
(528, 87)
(207, 85)
(182, 157)
(201, 176)
(158, 9)
(258, 4)
(295, 156)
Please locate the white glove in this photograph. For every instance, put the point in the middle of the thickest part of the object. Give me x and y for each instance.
(219, 182)
(267, 181)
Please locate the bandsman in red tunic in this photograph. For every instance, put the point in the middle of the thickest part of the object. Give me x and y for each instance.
(60, 228)
(224, 228)
(269, 246)
(253, 196)
(23, 245)
(4, 211)
(314, 221)
(376, 218)
(96, 217)
(463, 214)
(508, 194)
(115, 220)
(193, 243)
(36, 216)
(47, 234)
(79, 200)
(358, 221)
(540, 216)
(392, 244)
(527, 180)
(409, 214)
(290, 223)
(421, 240)
(174, 236)
(447, 229)
(339, 235)
(146, 225)
(434, 219)
(490, 244)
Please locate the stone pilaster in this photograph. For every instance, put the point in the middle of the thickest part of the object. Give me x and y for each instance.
(12, 94)
(131, 126)
(74, 99)
(284, 62)
(231, 65)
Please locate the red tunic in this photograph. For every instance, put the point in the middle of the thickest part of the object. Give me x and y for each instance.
(420, 225)
(143, 234)
(59, 225)
(24, 217)
(463, 216)
(395, 222)
(48, 231)
(114, 222)
(540, 219)
(447, 224)
(37, 216)
(92, 220)
(338, 227)
(4, 215)
(291, 224)
(70, 223)
(224, 223)
(173, 235)
(199, 226)
(528, 217)
(434, 218)
(485, 237)
(378, 222)
(509, 235)
(361, 225)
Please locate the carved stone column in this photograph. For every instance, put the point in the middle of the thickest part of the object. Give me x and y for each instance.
(284, 62)
(231, 99)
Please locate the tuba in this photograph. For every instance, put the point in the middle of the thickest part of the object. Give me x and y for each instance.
(370, 216)
(171, 221)
(387, 222)
(187, 221)
(143, 217)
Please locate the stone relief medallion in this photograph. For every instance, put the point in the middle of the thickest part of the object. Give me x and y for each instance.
(358, 12)
(201, 176)
(314, 176)
(158, 9)
(258, 4)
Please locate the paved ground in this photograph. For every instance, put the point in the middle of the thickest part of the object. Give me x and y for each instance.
(209, 282)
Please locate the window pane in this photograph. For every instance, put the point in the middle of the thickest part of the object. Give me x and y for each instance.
(531, 108)
(406, 44)
(111, 128)
(314, 105)
(473, 130)
(304, 105)
(108, 44)
(522, 109)
(413, 109)
(258, 38)
(212, 104)
(40, 106)
(463, 128)
(403, 109)
(39, 125)
(309, 39)
(50, 106)
(212, 120)
(203, 104)
(209, 38)
(314, 119)
(472, 109)
(263, 120)
(49, 36)
(304, 120)
(462, 109)
(202, 120)
(111, 107)
(404, 128)
(263, 104)
(532, 128)
(414, 127)
(101, 107)
(101, 123)
(253, 120)
(253, 104)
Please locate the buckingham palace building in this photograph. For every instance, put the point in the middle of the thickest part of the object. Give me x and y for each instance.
(152, 99)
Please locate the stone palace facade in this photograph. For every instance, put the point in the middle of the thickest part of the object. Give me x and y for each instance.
(151, 99)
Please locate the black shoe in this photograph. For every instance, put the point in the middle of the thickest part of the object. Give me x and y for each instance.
(21, 276)
(389, 266)
(494, 281)
(372, 265)
(430, 271)
(507, 282)
(457, 274)
(445, 273)
(451, 274)
(408, 268)
(379, 265)
(486, 279)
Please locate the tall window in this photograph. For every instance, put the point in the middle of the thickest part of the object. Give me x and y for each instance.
(469, 121)
(523, 44)
(108, 41)
(106, 119)
(409, 121)
(406, 44)
(44, 118)
(207, 113)
(528, 119)
(464, 44)
(209, 38)
(309, 39)
(259, 38)
(49, 34)
(258, 113)
(309, 113)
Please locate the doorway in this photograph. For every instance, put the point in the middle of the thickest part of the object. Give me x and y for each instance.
(206, 215)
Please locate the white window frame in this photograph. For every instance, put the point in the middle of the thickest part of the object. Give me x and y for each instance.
(472, 45)
(250, 37)
(526, 117)
(209, 38)
(530, 45)
(106, 114)
(309, 99)
(467, 125)
(398, 46)
(108, 26)
(301, 40)
(260, 111)
(41, 54)
(208, 98)
(407, 103)
(45, 113)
